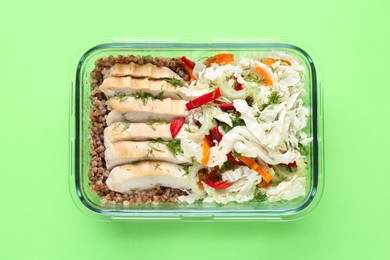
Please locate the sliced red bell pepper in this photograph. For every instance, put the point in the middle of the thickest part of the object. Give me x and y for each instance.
(190, 63)
(226, 106)
(218, 185)
(209, 140)
(215, 134)
(234, 160)
(204, 99)
(238, 87)
(176, 125)
(292, 164)
(212, 177)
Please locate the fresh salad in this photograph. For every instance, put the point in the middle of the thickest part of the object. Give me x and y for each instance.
(245, 134)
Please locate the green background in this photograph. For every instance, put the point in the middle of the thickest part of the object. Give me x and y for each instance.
(41, 39)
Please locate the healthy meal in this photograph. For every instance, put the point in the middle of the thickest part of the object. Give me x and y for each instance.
(222, 129)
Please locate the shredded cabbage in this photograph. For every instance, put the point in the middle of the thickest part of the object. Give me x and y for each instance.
(268, 125)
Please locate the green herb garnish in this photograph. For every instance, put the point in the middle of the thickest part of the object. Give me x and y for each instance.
(151, 151)
(144, 96)
(174, 147)
(186, 168)
(273, 97)
(147, 58)
(249, 100)
(236, 120)
(159, 96)
(115, 127)
(254, 78)
(226, 128)
(132, 191)
(157, 166)
(174, 82)
(126, 125)
(212, 84)
(152, 122)
(122, 97)
(259, 195)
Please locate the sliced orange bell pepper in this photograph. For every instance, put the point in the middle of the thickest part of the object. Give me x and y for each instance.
(268, 61)
(286, 61)
(256, 167)
(189, 71)
(206, 152)
(264, 74)
(220, 58)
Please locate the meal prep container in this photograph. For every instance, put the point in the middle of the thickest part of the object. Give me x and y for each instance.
(89, 203)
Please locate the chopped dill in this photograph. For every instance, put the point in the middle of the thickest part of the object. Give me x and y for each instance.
(151, 151)
(157, 166)
(121, 97)
(147, 58)
(173, 145)
(186, 168)
(259, 195)
(174, 82)
(126, 125)
(152, 122)
(254, 78)
(273, 97)
(144, 96)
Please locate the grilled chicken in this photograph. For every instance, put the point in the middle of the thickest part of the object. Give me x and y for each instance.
(127, 152)
(125, 131)
(147, 175)
(129, 85)
(137, 110)
(147, 70)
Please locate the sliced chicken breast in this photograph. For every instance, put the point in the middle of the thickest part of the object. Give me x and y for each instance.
(147, 70)
(147, 175)
(135, 110)
(125, 131)
(128, 151)
(115, 116)
(129, 85)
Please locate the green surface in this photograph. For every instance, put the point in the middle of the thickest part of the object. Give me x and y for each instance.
(39, 41)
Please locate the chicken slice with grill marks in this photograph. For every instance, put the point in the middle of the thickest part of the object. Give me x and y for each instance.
(128, 151)
(129, 85)
(147, 70)
(137, 110)
(147, 175)
(126, 131)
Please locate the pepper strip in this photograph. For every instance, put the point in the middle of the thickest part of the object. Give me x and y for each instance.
(206, 152)
(256, 167)
(204, 99)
